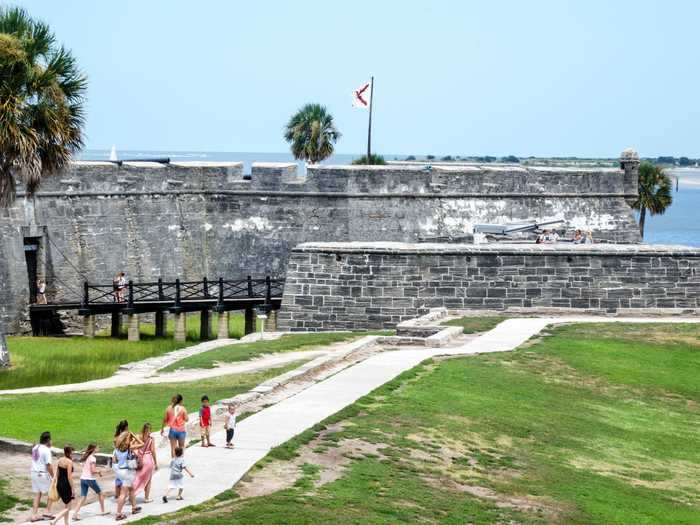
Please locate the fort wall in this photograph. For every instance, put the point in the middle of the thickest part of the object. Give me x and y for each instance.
(352, 286)
(191, 220)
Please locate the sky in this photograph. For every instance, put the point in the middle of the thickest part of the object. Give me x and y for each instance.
(544, 78)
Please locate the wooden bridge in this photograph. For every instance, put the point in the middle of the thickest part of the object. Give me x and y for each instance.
(161, 297)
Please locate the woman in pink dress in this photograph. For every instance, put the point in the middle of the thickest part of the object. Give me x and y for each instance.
(149, 462)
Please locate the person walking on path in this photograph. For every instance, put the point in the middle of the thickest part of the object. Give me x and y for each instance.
(205, 422)
(41, 475)
(126, 465)
(122, 426)
(176, 419)
(149, 463)
(64, 484)
(230, 425)
(177, 478)
(88, 481)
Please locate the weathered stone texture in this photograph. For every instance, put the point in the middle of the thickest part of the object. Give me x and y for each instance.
(189, 220)
(349, 286)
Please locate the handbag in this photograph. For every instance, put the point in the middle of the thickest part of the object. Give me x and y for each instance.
(132, 462)
(53, 490)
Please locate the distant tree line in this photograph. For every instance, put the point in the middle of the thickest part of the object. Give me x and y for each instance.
(484, 159)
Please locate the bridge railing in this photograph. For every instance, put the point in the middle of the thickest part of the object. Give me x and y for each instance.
(178, 291)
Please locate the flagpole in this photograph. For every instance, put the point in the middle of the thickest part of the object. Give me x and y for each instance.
(369, 129)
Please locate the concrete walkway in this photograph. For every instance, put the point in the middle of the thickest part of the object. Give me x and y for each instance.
(218, 469)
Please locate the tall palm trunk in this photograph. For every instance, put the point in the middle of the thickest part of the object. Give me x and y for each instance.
(4, 352)
(642, 219)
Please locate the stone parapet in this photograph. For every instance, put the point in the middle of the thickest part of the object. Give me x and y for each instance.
(340, 286)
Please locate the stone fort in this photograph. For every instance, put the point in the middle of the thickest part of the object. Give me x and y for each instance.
(191, 220)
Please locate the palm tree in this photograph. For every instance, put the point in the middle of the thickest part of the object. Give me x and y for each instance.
(41, 108)
(655, 192)
(41, 103)
(311, 133)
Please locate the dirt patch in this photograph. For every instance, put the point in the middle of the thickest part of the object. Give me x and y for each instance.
(681, 479)
(332, 461)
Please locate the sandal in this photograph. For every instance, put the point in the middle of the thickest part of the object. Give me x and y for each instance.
(121, 517)
(135, 510)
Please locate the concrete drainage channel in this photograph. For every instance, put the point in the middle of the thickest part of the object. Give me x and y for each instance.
(425, 331)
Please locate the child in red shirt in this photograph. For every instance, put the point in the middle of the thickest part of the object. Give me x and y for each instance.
(205, 421)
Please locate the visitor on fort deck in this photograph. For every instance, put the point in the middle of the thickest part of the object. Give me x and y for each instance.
(88, 481)
(578, 237)
(177, 478)
(149, 463)
(230, 425)
(124, 458)
(41, 475)
(64, 484)
(589, 237)
(122, 426)
(40, 292)
(205, 422)
(176, 419)
(119, 286)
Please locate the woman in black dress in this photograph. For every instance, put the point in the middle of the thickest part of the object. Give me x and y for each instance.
(64, 484)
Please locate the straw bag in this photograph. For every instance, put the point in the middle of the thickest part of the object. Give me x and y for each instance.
(53, 490)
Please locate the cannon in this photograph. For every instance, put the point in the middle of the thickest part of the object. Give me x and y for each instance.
(507, 229)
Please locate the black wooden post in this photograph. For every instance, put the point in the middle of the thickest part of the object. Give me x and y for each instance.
(116, 324)
(160, 323)
(131, 294)
(268, 293)
(86, 294)
(249, 320)
(204, 325)
(205, 286)
(177, 292)
(250, 286)
(161, 297)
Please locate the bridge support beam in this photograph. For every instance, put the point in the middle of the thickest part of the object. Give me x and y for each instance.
(249, 321)
(222, 326)
(271, 321)
(161, 323)
(89, 326)
(204, 325)
(181, 327)
(134, 333)
(116, 324)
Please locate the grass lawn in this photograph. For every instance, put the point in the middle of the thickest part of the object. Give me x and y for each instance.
(246, 351)
(472, 325)
(593, 424)
(83, 417)
(40, 361)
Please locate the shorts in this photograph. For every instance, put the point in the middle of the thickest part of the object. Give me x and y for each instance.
(178, 483)
(41, 482)
(204, 431)
(178, 435)
(229, 435)
(86, 484)
(126, 476)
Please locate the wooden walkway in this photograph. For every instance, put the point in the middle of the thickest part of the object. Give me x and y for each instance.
(261, 296)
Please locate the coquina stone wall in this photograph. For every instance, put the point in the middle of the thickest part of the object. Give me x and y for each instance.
(349, 286)
(189, 220)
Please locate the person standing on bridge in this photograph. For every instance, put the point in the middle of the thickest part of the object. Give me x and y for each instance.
(119, 286)
(40, 291)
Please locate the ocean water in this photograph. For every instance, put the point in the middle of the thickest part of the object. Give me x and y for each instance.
(679, 225)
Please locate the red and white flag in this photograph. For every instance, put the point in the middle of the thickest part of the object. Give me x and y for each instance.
(362, 95)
